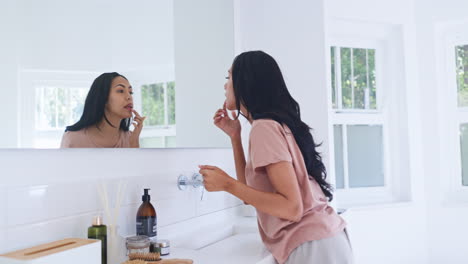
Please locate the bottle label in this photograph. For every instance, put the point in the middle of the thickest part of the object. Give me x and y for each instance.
(146, 225)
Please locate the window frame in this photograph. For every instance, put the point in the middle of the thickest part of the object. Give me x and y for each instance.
(30, 79)
(351, 197)
(450, 115)
(146, 77)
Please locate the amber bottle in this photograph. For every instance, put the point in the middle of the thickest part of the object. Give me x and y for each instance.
(146, 219)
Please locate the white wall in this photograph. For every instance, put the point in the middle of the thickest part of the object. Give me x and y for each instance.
(204, 50)
(446, 216)
(95, 36)
(8, 72)
(47, 195)
(296, 39)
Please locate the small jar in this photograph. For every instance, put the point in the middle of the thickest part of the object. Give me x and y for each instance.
(164, 247)
(138, 244)
(154, 247)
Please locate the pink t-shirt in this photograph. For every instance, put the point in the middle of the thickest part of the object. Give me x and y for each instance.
(81, 139)
(270, 143)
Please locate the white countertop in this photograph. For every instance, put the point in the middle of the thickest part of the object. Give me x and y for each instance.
(228, 244)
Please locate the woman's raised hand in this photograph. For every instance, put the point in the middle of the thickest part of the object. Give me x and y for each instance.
(138, 126)
(222, 120)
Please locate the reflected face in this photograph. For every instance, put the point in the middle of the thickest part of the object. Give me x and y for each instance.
(229, 92)
(120, 102)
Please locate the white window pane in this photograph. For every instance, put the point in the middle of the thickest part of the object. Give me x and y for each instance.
(339, 165)
(365, 156)
(45, 108)
(333, 76)
(40, 117)
(372, 83)
(77, 100)
(461, 56)
(171, 102)
(153, 104)
(464, 152)
(346, 77)
(358, 85)
(359, 78)
(63, 111)
(58, 107)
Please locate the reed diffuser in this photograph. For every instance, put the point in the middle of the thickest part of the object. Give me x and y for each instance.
(115, 242)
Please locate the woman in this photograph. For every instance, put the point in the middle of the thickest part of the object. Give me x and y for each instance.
(284, 177)
(106, 116)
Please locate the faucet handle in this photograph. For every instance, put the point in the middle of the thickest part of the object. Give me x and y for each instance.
(182, 182)
(196, 181)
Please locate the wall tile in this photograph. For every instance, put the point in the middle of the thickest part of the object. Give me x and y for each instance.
(35, 203)
(58, 202)
(3, 206)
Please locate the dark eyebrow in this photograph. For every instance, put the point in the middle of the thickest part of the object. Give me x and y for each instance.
(129, 87)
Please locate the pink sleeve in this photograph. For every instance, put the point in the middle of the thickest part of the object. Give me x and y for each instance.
(268, 144)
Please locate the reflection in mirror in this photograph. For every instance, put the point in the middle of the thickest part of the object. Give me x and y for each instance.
(171, 52)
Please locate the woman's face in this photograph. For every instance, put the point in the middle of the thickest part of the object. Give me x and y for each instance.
(120, 102)
(229, 92)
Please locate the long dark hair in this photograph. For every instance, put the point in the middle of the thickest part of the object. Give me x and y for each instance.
(260, 87)
(95, 104)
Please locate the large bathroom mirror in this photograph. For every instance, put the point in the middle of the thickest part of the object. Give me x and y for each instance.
(175, 54)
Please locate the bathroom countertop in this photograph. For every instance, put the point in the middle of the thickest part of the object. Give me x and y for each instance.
(183, 253)
(234, 250)
(234, 243)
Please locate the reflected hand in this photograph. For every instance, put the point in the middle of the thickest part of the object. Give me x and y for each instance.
(138, 125)
(222, 120)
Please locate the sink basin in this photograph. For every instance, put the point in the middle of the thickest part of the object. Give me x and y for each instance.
(238, 248)
(233, 243)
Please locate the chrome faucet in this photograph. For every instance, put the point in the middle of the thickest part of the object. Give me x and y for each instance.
(196, 181)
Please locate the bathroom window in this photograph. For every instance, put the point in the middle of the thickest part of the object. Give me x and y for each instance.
(461, 64)
(368, 114)
(58, 107)
(48, 102)
(353, 78)
(357, 119)
(359, 152)
(158, 105)
(54, 105)
(451, 66)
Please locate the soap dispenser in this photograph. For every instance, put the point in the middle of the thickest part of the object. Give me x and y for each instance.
(146, 219)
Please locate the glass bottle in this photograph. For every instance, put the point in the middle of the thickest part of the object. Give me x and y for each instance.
(146, 219)
(99, 231)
